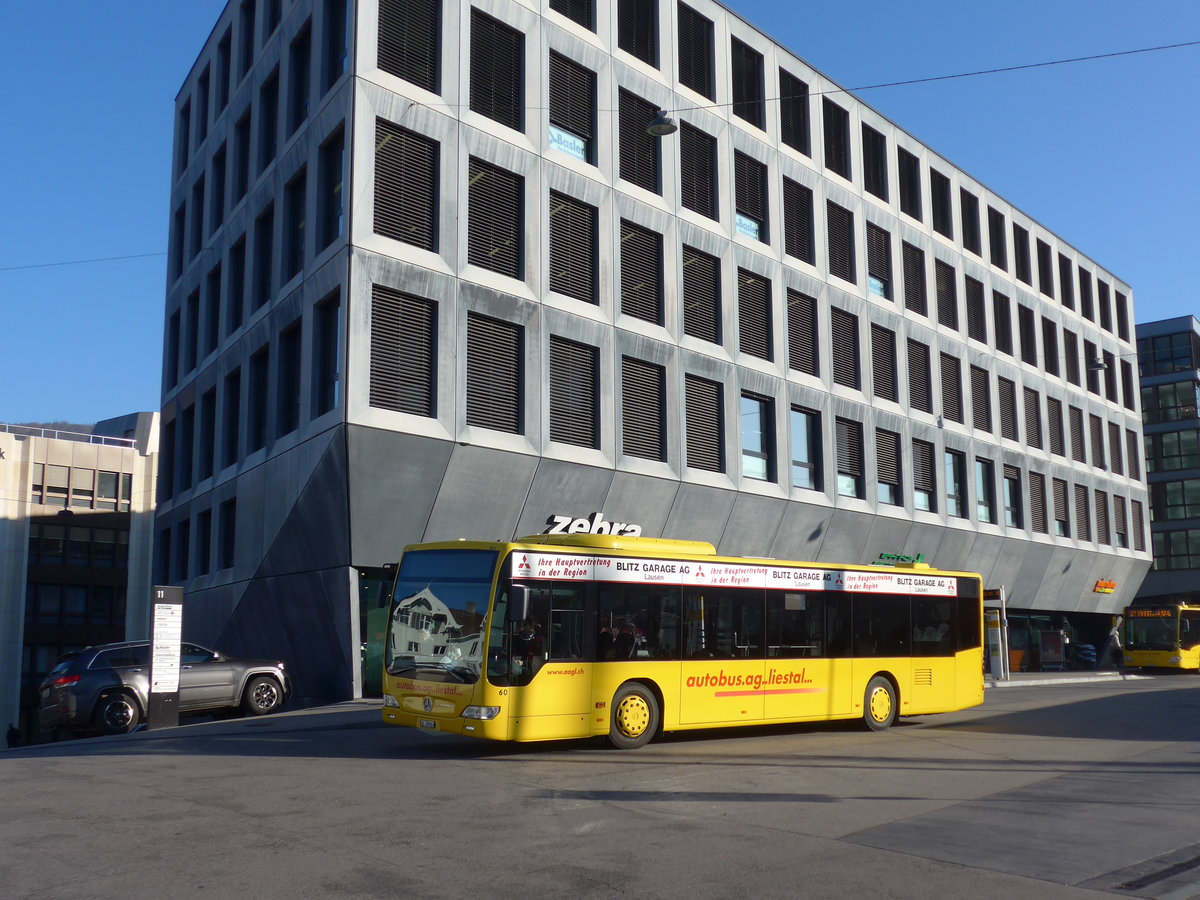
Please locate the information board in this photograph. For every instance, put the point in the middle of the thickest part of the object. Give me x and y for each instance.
(166, 635)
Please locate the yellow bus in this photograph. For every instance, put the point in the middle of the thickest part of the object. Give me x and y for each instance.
(580, 635)
(1162, 636)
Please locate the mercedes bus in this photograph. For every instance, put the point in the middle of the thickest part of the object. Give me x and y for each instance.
(595, 635)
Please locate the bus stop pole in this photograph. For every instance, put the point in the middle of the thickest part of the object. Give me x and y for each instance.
(1004, 658)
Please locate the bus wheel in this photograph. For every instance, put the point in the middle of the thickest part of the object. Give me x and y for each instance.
(635, 716)
(879, 704)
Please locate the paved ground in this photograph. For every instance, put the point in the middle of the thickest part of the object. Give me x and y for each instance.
(1062, 789)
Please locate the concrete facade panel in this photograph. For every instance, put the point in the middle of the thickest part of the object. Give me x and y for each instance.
(563, 488)
(699, 513)
(481, 495)
(752, 525)
(801, 531)
(314, 534)
(394, 479)
(642, 499)
(303, 619)
(846, 536)
(887, 535)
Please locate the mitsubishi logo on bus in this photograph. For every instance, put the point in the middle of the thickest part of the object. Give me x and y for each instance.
(593, 524)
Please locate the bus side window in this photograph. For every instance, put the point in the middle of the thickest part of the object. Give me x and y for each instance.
(882, 625)
(635, 621)
(1189, 630)
(933, 633)
(837, 625)
(795, 624)
(724, 623)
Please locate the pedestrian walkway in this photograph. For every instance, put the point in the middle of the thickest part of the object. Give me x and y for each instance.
(1083, 676)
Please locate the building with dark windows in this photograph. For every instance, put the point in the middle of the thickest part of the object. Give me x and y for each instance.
(431, 277)
(76, 530)
(1169, 363)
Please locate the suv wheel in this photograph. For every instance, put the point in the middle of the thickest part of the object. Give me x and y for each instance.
(117, 714)
(263, 695)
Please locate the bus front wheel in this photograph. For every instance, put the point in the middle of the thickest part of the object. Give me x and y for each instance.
(635, 716)
(879, 704)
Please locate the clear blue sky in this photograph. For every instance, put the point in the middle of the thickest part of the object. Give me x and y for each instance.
(1102, 153)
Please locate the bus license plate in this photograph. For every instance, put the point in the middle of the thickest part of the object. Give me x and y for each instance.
(427, 723)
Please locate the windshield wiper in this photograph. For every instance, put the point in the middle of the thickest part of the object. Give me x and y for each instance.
(464, 674)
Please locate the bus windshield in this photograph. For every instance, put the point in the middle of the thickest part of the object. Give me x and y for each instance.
(438, 607)
(1150, 628)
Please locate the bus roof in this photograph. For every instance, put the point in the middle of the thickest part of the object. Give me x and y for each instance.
(622, 542)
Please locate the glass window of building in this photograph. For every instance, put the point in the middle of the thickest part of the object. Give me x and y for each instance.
(574, 392)
(748, 97)
(924, 476)
(704, 423)
(574, 249)
(806, 448)
(887, 457)
(758, 437)
(798, 221)
(793, 112)
(641, 272)
(955, 472)
(695, 51)
(408, 41)
(643, 405)
(572, 93)
(698, 171)
(849, 436)
(406, 174)
(495, 350)
(803, 344)
(985, 490)
(637, 29)
(754, 314)
(1013, 513)
(497, 70)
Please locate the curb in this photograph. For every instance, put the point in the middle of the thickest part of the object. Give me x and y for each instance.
(1078, 679)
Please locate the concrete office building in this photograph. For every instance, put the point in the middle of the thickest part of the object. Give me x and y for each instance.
(1169, 364)
(76, 529)
(431, 277)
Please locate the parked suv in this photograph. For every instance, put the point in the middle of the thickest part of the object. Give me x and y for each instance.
(104, 688)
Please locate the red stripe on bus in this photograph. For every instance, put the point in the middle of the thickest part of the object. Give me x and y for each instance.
(761, 694)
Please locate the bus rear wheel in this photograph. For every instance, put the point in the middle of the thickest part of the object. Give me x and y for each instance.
(879, 704)
(635, 716)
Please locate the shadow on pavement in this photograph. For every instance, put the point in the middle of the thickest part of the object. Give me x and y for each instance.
(354, 730)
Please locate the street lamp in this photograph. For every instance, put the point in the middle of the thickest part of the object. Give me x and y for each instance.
(662, 125)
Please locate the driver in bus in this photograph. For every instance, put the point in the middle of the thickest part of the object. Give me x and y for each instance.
(527, 646)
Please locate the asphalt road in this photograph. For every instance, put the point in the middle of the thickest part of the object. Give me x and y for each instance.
(1045, 791)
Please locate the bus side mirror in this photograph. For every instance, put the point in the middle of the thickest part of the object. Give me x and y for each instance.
(518, 603)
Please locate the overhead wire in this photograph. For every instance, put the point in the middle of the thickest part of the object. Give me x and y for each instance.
(79, 262)
(865, 87)
(932, 78)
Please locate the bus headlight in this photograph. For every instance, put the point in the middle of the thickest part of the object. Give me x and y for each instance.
(481, 712)
(1174, 660)
(389, 700)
